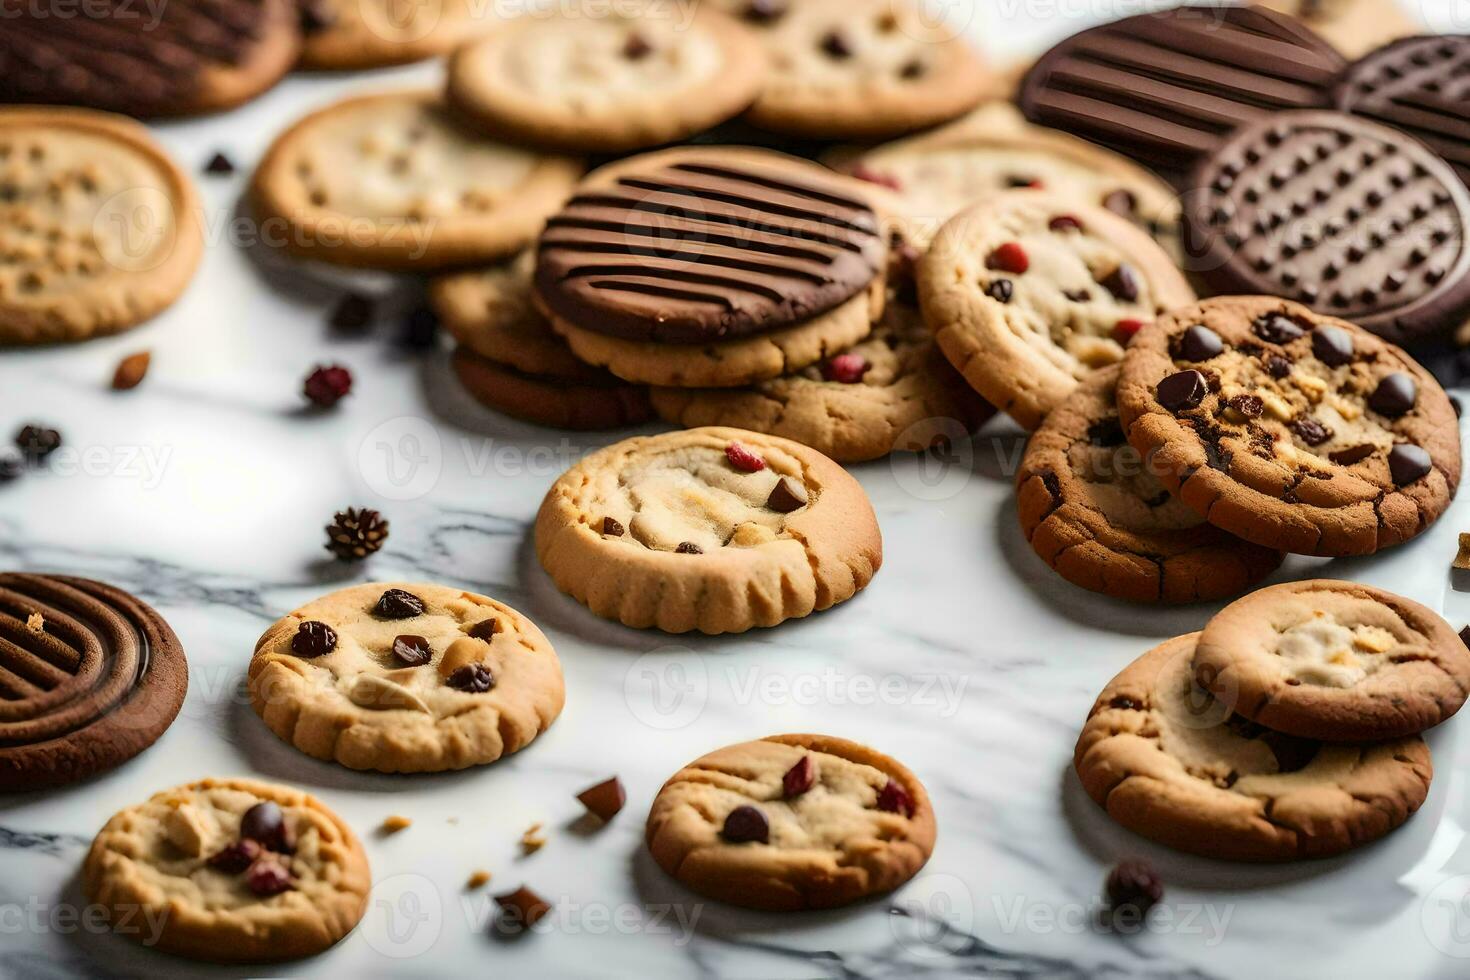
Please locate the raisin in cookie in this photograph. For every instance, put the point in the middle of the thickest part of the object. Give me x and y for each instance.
(406, 678)
(1093, 510)
(792, 822)
(641, 76)
(233, 870)
(1027, 293)
(1170, 762)
(894, 391)
(1335, 661)
(713, 529)
(1290, 429)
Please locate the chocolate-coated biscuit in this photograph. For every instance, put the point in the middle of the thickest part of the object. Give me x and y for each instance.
(1351, 26)
(1165, 87)
(550, 401)
(1338, 213)
(90, 677)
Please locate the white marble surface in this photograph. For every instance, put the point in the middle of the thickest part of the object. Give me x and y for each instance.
(205, 492)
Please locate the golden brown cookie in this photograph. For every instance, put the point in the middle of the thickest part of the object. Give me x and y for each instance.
(345, 35)
(792, 822)
(551, 401)
(713, 529)
(1092, 508)
(1170, 762)
(1351, 26)
(1290, 429)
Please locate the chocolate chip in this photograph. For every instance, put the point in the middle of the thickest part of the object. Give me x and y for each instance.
(914, 68)
(1122, 282)
(786, 496)
(745, 824)
(1407, 463)
(1065, 222)
(313, 639)
(522, 908)
(219, 165)
(1121, 202)
(1310, 431)
(36, 442)
(1133, 886)
(1353, 454)
(420, 329)
(1124, 703)
(1395, 395)
(764, 11)
(398, 604)
(636, 48)
(688, 548)
(1292, 754)
(353, 312)
(1277, 366)
(605, 799)
(236, 857)
(1106, 433)
(265, 824)
(412, 651)
(268, 876)
(1182, 391)
(836, 45)
(1000, 290)
(12, 465)
(485, 629)
(893, 798)
(613, 527)
(1277, 328)
(800, 777)
(1200, 343)
(1333, 346)
(472, 679)
(316, 16)
(1077, 295)
(1250, 406)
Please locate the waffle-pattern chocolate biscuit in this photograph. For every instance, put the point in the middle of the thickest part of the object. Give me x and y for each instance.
(1340, 214)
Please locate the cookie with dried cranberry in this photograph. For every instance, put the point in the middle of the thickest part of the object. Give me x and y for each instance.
(1027, 293)
(1170, 761)
(1093, 510)
(792, 822)
(1290, 429)
(1336, 661)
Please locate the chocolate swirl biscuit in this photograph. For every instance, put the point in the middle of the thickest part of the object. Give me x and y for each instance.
(89, 677)
(707, 248)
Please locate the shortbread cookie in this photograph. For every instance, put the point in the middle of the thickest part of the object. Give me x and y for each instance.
(406, 678)
(1336, 661)
(1290, 429)
(611, 81)
(89, 677)
(99, 230)
(551, 401)
(177, 58)
(713, 529)
(394, 182)
(865, 69)
(1340, 214)
(1027, 293)
(230, 871)
(1170, 762)
(342, 35)
(1351, 26)
(792, 822)
(892, 392)
(1093, 509)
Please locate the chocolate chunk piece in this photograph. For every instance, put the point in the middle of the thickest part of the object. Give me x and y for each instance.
(219, 165)
(1247, 405)
(764, 11)
(398, 604)
(1310, 431)
(1407, 463)
(1000, 290)
(604, 799)
(1332, 346)
(1353, 454)
(800, 777)
(786, 496)
(412, 651)
(485, 629)
(746, 824)
(636, 48)
(688, 548)
(1200, 343)
(1182, 391)
(1277, 366)
(1277, 328)
(836, 45)
(522, 908)
(472, 679)
(265, 823)
(353, 312)
(1122, 283)
(613, 527)
(1395, 395)
(37, 442)
(313, 639)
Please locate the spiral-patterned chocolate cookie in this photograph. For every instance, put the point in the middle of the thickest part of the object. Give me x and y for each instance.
(1165, 87)
(691, 247)
(89, 677)
(1338, 213)
(1420, 85)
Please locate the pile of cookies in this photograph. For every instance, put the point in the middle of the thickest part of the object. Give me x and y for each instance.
(1289, 727)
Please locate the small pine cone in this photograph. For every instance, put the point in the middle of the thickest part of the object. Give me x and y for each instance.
(354, 534)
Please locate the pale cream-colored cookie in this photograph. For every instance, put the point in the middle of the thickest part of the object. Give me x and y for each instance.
(1353, 27)
(1027, 293)
(230, 871)
(792, 822)
(1170, 762)
(406, 678)
(713, 529)
(607, 80)
(99, 230)
(393, 181)
(343, 35)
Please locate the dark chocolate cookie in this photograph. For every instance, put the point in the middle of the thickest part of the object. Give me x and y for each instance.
(1165, 87)
(1420, 85)
(89, 677)
(697, 247)
(1336, 212)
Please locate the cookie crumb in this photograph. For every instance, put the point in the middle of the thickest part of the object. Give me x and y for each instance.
(36, 623)
(533, 839)
(396, 823)
(1462, 560)
(478, 879)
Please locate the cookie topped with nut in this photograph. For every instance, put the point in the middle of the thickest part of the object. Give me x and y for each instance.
(406, 678)
(1291, 429)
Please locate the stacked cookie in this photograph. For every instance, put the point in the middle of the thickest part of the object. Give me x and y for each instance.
(1288, 728)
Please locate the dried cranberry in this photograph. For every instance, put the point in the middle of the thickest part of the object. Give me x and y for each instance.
(265, 824)
(1008, 257)
(472, 679)
(1134, 885)
(743, 459)
(236, 857)
(893, 798)
(1124, 330)
(1065, 222)
(313, 639)
(746, 824)
(268, 876)
(845, 368)
(328, 385)
(412, 651)
(398, 604)
(800, 777)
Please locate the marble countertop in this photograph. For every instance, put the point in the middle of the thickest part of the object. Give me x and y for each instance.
(205, 492)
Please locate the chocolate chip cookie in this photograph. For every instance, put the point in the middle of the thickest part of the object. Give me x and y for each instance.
(347, 35)
(231, 871)
(713, 529)
(1027, 293)
(792, 822)
(406, 678)
(1290, 429)
(1092, 509)
(1336, 661)
(1169, 761)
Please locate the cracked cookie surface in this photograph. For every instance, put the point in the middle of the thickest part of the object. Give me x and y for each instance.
(441, 679)
(833, 822)
(1092, 509)
(1170, 762)
(711, 529)
(1334, 660)
(1027, 293)
(1290, 429)
(296, 888)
